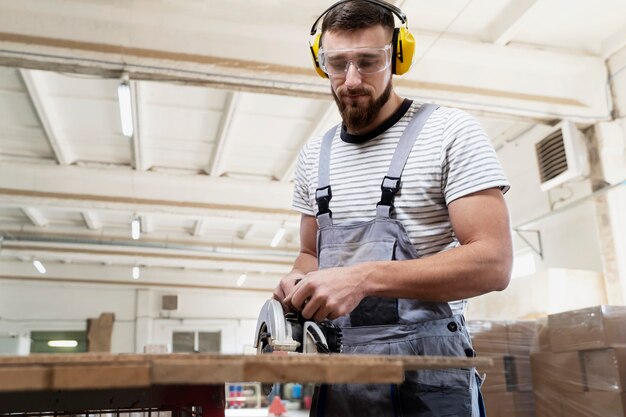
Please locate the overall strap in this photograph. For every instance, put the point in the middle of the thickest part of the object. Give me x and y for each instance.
(323, 194)
(391, 183)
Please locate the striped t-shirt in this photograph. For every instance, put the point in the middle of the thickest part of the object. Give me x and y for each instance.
(451, 158)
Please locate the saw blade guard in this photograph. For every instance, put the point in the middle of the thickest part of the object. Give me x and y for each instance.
(272, 331)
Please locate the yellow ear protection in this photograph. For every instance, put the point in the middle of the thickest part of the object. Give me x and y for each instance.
(402, 41)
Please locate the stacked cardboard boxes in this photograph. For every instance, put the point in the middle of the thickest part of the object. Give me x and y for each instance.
(507, 387)
(579, 364)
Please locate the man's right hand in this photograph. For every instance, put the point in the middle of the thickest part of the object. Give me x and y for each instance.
(285, 287)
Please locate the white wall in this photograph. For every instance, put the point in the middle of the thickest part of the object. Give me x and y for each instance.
(547, 292)
(27, 306)
(569, 237)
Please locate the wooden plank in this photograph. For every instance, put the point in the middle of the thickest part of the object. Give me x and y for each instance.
(335, 372)
(100, 376)
(100, 371)
(167, 371)
(20, 378)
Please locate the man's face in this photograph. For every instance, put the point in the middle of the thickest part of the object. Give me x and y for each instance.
(359, 97)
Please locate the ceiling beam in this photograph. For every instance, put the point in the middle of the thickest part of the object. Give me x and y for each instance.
(215, 166)
(508, 23)
(614, 44)
(35, 216)
(202, 258)
(139, 151)
(80, 188)
(150, 276)
(91, 220)
(319, 122)
(525, 85)
(34, 84)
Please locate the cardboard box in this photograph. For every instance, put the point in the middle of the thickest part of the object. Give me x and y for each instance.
(605, 369)
(508, 373)
(520, 336)
(559, 372)
(541, 339)
(522, 379)
(509, 404)
(588, 328)
(489, 338)
(594, 404)
(547, 403)
(495, 376)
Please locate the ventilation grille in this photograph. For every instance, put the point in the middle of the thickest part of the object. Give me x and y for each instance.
(169, 302)
(551, 156)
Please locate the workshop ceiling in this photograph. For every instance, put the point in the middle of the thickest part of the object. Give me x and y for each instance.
(223, 99)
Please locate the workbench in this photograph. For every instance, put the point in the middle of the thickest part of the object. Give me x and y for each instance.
(187, 384)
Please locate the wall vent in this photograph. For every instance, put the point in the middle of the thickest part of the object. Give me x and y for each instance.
(561, 156)
(169, 303)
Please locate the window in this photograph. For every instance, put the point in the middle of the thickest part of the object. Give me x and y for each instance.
(197, 341)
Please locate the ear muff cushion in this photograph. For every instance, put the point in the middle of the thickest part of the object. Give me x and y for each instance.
(404, 49)
(314, 46)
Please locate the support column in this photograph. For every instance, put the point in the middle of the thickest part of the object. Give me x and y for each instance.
(143, 320)
(607, 167)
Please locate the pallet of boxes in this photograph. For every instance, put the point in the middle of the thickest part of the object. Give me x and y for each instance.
(507, 385)
(579, 364)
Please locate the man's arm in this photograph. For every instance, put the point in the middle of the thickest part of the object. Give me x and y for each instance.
(305, 262)
(481, 264)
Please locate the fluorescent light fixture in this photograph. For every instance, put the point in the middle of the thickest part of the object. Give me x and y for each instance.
(63, 343)
(135, 228)
(241, 280)
(278, 237)
(126, 108)
(135, 272)
(39, 266)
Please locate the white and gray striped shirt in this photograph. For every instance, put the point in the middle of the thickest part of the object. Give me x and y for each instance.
(451, 158)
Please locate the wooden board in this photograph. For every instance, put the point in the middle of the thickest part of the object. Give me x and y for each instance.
(102, 371)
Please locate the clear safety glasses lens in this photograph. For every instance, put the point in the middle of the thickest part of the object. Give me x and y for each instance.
(336, 62)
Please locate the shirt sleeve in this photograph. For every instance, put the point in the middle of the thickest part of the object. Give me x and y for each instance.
(468, 160)
(301, 194)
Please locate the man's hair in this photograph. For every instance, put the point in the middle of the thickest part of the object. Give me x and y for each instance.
(357, 14)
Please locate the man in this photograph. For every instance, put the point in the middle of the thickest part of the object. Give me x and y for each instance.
(393, 268)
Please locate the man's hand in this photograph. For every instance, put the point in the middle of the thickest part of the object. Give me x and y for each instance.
(285, 287)
(328, 293)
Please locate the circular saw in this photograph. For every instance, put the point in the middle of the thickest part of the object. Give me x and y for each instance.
(277, 331)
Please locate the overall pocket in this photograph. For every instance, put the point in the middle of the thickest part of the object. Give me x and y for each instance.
(371, 310)
(438, 392)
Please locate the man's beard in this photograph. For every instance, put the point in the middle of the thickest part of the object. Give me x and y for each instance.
(357, 118)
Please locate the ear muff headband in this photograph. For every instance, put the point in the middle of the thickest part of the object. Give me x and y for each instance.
(403, 41)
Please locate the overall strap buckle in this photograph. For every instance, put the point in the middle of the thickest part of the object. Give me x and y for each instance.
(389, 187)
(322, 197)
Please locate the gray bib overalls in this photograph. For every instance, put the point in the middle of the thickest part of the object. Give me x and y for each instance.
(391, 326)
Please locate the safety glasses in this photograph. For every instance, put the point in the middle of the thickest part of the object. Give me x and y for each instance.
(336, 62)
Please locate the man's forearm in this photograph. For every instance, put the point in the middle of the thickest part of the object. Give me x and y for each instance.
(305, 263)
(463, 272)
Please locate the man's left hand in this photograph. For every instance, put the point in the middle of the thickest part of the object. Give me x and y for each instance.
(328, 293)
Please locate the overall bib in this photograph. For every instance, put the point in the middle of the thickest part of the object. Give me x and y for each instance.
(388, 326)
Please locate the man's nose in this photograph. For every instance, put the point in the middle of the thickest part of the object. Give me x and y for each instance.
(353, 76)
